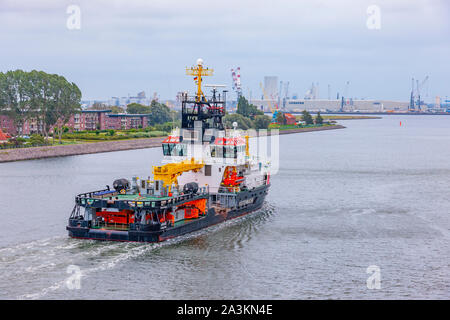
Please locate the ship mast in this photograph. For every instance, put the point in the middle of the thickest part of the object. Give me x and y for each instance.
(198, 71)
(199, 108)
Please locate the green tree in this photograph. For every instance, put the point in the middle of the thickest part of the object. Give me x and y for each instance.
(3, 96)
(116, 109)
(64, 102)
(37, 140)
(306, 116)
(262, 121)
(319, 119)
(136, 108)
(103, 106)
(281, 119)
(42, 92)
(246, 109)
(46, 98)
(244, 123)
(159, 113)
(15, 97)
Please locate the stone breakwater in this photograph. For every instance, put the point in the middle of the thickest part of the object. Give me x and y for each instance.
(7, 155)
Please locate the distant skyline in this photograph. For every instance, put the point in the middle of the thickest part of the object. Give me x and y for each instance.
(124, 47)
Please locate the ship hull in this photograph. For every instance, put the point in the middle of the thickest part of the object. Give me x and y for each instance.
(213, 217)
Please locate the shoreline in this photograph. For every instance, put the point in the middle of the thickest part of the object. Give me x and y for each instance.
(300, 130)
(32, 153)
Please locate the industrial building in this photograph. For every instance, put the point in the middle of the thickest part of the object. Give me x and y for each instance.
(325, 105)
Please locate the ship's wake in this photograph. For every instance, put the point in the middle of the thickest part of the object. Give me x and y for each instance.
(41, 266)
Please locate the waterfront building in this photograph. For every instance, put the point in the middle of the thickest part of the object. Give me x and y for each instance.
(341, 105)
(123, 121)
(290, 119)
(105, 120)
(85, 120)
(29, 126)
(7, 124)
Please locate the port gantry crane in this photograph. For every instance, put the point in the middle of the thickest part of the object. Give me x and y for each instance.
(274, 111)
(415, 101)
(236, 76)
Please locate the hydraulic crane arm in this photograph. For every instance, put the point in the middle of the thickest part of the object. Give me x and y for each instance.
(170, 172)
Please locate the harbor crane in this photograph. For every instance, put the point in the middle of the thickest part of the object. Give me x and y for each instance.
(280, 91)
(415, 103)
(286, 93)
(274, 111)
(236, 76)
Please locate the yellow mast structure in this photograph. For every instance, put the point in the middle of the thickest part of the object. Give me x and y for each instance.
(199, 71)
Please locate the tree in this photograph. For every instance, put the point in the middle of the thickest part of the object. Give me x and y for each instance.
(103, 106)
(55, 99)
(136, 108)
(281, 119)
(15, 96)
(319, 119)
(262, 121)
(244, 123)
(3, 88)
(67, 102)
(41, 87)
(246, 109)
(306, 116)
(37, 140)
(159, 113)
(47, 98)
(116, 109)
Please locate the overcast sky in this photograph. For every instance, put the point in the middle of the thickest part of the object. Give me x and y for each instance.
(126, 46)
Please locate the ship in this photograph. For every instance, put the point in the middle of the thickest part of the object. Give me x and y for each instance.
(207, 176)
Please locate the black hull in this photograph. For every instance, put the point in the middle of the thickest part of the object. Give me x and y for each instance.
(212, 218)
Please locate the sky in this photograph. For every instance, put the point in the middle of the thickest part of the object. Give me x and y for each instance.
(126, 46)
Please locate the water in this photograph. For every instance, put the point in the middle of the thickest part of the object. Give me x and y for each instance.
(375, 193)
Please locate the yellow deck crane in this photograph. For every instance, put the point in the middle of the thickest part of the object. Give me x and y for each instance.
(198, 71)
(170, 172)
(274, 111)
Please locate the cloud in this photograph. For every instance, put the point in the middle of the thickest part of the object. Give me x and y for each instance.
(127, 46)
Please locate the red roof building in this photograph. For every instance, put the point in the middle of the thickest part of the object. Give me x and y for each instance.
(290, 119)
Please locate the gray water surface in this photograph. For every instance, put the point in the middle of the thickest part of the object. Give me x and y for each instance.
(375, 193)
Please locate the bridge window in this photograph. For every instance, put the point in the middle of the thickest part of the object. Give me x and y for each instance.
(172, 149)
(217, 151)
(230, 152)
(226, 151)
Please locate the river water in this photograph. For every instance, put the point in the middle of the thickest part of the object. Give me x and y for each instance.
(373, 194)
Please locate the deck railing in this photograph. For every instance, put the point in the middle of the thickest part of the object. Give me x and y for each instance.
(88, 199)
(110, 226)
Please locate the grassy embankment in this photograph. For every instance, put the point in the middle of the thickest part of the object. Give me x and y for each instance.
(343, 117)
(108, 135)
(293, 126)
